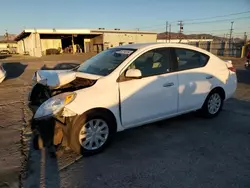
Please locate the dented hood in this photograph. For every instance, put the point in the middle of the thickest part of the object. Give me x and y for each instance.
(58, 78)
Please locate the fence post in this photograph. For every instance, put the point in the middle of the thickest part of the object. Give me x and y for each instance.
(243, 51)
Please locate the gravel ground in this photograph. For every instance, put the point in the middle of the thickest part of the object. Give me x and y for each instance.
(186, 151)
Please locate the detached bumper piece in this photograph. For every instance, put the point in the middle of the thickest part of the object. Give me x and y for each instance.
(49, 133)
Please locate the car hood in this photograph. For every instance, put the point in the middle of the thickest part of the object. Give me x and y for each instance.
(58, 78)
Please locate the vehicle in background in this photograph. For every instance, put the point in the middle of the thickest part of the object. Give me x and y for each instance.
(247, 64)
(129, 86)
(2, 73)
(61, 66)
(4, 52)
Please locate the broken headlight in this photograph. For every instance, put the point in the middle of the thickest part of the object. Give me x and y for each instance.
(54, 105)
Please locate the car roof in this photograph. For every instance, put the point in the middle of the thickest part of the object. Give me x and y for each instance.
(154, 44)
(161, 44)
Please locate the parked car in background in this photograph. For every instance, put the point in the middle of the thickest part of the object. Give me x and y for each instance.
(2, 73)
(129, 86)
(61, 66)
(5, 52)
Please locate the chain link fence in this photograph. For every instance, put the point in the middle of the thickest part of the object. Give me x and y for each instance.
(221, 48)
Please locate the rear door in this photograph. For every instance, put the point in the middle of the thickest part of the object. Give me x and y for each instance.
(195, 80)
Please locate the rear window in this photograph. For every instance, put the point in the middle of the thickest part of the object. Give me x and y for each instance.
(190, 59)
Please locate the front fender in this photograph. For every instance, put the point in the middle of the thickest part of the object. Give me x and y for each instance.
(96, 97)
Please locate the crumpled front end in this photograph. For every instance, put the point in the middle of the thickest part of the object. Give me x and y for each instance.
(48, 83)
(2, 74)
(54, 79)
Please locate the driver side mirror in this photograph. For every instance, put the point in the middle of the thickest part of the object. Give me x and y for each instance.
(133, 73)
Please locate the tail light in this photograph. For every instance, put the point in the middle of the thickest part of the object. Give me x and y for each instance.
(230, 66)
(232, 69)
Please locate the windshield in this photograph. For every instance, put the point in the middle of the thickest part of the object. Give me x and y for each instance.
(105, 62)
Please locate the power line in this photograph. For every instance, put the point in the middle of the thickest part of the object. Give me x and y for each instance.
(207, 18)
(192, 23)
(239, 28)
(219, 16)
(207, 30)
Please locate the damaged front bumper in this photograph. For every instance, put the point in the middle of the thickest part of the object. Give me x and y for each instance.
(51, 131)
(52, 117)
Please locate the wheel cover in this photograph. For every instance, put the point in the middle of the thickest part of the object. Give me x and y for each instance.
(214, 103)
(93, 134)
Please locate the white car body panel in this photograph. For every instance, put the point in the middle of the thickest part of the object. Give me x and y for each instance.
(2, 73)
(195, 84)
(147, 98)
(130, 106)
(104, 94)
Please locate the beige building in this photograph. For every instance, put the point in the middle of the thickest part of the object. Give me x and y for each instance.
(38, 42)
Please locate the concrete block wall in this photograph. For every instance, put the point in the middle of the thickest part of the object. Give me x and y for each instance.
(115, 39)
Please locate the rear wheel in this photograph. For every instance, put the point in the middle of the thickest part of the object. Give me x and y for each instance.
(91, 133)
(212, 105)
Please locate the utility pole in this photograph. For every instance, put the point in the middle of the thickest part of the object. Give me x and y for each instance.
(169, 33)
(230, 38)
(181, 29)
(245, 37)
(136, 37)
(6, 35)
(166, 31)
(231, 30)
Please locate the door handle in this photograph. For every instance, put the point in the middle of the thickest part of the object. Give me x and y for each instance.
(168, 84)
(209, 77)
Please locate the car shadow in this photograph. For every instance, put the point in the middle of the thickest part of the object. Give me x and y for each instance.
(170, 148)
(4, 56)
(42, 166)
(14, 69)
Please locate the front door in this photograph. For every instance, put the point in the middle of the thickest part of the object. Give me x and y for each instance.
(195, 81)
(153, 96)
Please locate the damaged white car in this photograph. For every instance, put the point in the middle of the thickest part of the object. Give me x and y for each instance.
(129, 86)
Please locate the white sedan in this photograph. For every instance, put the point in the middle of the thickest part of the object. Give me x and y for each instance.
(133, 85)
(2, 73)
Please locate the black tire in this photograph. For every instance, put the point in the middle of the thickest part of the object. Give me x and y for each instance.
(205, 108)
(79, 122)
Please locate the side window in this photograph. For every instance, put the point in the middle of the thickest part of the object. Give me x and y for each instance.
(153, 62)
(190, 59)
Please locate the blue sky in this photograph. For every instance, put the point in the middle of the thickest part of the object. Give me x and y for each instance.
(130, 14)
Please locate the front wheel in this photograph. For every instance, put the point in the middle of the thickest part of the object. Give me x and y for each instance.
(212, 105)
(91, 133)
